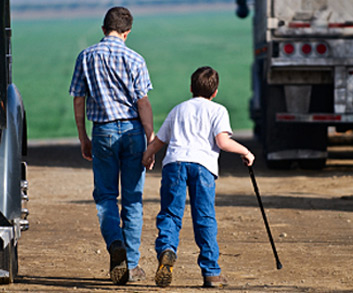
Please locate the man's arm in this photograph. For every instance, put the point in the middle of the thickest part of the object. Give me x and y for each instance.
(145, 112)
(80, 118)
(227, 144)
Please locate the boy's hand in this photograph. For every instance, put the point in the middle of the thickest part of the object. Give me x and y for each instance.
(148, 161)
(248, 159)
(148, 157)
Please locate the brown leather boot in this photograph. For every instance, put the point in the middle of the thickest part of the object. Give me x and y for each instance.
(119, 273)
(137, 274)
(215, 281)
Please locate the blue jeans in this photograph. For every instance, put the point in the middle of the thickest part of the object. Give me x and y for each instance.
(117, 149)
(176, 177)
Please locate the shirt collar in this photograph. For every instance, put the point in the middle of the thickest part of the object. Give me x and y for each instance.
(113, 39)
(200, 98)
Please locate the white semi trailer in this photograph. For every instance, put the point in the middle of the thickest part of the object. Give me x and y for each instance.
(302, 76)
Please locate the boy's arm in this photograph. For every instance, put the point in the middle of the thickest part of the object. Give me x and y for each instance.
(148, 155)
(145, 112)
(227, 144)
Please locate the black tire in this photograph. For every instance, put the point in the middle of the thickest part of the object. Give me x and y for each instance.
(312, 164)
(289, 136)
(9, 263)
(274, 135)
(258, 131)
(5, 265)
(14, 257)
(279, 164)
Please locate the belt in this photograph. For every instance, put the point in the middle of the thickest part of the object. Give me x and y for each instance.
(119, 120)
(127, 119)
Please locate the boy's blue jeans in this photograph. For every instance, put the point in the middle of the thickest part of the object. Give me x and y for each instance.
(117, 149)
(176, 177)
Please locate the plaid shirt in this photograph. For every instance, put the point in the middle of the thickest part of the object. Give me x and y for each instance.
(113, 77)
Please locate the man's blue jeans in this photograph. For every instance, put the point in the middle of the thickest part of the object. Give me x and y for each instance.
(117, 149)
(176, 177)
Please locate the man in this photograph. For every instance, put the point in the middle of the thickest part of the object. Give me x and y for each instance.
(112, 82)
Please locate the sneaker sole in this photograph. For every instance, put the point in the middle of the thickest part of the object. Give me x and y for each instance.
(164, 274)
(119, 274)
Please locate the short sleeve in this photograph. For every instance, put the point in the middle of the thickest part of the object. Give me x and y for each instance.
(221, 122)
(78, 87)
(142, 81)
(165, 132)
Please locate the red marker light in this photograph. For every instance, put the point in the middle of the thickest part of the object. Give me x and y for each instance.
(288, 49)
(321, 49)
(306, 49)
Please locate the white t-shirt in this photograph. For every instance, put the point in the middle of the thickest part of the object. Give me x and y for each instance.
(190, 130)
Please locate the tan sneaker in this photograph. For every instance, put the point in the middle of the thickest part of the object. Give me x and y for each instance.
(165, 268)
(215, 281)
(137, 274)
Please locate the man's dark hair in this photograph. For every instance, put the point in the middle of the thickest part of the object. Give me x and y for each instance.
(204, 82)
(118, 19)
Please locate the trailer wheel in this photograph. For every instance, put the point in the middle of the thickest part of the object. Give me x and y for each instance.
(274, 135)
(291, 137)
(8, 263)
(13, 269)
(279, 164)
(312, 164)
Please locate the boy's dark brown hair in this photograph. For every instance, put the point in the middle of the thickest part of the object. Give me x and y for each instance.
(118, 19)
(204, 82)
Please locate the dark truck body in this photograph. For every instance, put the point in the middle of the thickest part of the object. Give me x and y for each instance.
(13, 143)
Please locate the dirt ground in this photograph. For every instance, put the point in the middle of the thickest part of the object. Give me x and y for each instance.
(310, 215)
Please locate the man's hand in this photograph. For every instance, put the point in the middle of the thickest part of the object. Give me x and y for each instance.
(86, 149)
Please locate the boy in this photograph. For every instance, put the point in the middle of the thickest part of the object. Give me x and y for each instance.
(195, 131)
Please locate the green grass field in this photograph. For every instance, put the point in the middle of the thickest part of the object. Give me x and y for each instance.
(174, 45)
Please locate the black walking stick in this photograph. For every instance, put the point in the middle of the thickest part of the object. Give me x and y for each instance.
(252, 176)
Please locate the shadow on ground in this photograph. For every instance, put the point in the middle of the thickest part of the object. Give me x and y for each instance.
(68, 154)
(92, 284)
